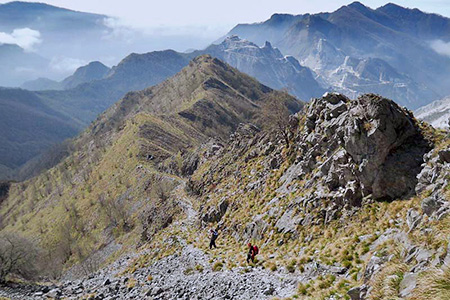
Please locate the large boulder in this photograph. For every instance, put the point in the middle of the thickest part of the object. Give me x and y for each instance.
(384, 141)
(370, 142)
(214, 214)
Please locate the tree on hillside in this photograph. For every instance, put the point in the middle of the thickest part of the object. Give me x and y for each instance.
(18, 256)
(275, 114)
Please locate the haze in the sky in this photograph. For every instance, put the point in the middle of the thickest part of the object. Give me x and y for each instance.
(142, 26)
(211, 18)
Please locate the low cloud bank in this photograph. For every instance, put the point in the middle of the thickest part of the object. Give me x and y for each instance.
(66, 65)
(25, 38)
(441, 47)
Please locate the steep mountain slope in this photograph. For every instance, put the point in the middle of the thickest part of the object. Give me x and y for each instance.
(121, 169)
(415, 22)
(436, 113)
(273, 28)
(42, 17)
(81, 105)
(135, 72)
(28, 126)
(18, 64)
(358, 32)
(354, 77)
(268, 65)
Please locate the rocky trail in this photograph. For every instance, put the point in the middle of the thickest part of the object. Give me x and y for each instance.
(185, 275)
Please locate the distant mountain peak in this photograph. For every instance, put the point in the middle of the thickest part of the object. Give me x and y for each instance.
(24, 3)
(205, 61)
(359, 7)
(233, 38)
(392, 5)
(235, 41)
(357, 4)
(34, 6)
(93, 71)
(398, 9)
(280, 19)
(267, 44)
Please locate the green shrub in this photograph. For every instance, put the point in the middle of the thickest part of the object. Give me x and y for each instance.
(199, 268)
(217, 266)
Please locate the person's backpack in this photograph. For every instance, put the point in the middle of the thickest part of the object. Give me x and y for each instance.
(255, 250)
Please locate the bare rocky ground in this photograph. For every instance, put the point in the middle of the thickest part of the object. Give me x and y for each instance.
(168, 279)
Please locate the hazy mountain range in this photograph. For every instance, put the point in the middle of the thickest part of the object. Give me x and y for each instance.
(93, 71)
(58, 40)
(93, 88)
(437, 113)
(391, 50)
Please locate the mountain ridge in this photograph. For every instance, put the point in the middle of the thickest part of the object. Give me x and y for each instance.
(377, 35)
(208, 99)
(82, 103)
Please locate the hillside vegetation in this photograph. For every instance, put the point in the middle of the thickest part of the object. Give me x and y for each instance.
(346, 199)
(119, 168)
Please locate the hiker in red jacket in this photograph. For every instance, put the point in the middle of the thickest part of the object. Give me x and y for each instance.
(252, 252)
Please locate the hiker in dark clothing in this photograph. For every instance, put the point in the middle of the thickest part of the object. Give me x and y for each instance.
(214, 235)
(252, 251)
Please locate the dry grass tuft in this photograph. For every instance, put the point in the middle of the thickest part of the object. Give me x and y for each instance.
(434, 284)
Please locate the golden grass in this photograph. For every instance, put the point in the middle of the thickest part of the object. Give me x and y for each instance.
(433, 284)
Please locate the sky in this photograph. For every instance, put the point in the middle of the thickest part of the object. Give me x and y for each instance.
(212, 17)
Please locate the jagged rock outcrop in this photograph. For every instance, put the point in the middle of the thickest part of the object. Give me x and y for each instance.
(432, 181)
(355, 149)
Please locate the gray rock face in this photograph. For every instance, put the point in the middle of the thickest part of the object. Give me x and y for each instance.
(432, 180)
(381, 141)
(268, 65)
(256, 229)
(358, 293)
(444, 156)
(407, 284)
(216, 213)
(413, 218)
(288, 222)
(373, 267)
(431, 205)
(369, 146)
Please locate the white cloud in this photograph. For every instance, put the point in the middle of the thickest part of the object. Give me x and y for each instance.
(118, 30)
(66, 65)
(128, 32)
(441, 47)
(25, 38)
